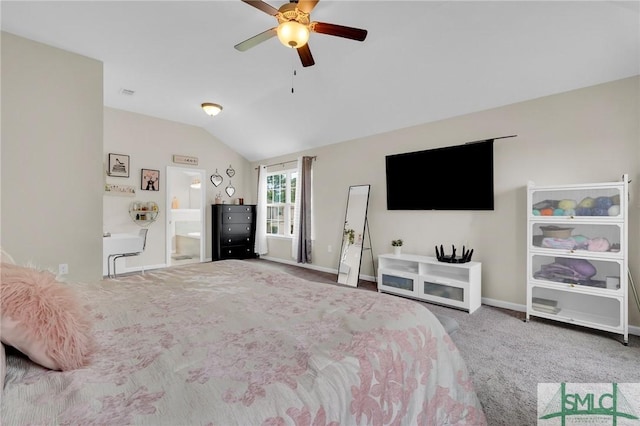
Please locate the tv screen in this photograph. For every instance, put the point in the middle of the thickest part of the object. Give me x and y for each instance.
(451, 178)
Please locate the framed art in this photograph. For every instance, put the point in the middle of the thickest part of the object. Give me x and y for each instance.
(150, 180)
(118, 165)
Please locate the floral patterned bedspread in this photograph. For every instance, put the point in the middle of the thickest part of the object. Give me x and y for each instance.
(240, 343)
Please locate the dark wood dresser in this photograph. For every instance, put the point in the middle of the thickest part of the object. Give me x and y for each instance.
(233, 231)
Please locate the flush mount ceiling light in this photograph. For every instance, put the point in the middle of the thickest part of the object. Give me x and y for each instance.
(211, 109)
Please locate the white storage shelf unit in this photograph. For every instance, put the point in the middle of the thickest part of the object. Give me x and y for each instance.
(425, 278)
(577, 259)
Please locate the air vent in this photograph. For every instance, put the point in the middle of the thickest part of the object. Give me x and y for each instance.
(127, 92)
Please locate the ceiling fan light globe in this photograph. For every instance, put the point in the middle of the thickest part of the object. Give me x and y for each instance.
(293, 34)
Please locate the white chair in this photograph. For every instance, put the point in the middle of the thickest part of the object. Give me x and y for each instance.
(138, 251)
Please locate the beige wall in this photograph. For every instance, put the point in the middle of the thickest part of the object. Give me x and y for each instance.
(151, 143)
(587, 135)
(51, 157)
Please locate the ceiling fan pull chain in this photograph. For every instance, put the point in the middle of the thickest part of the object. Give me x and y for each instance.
(293, 69)
(294, 74)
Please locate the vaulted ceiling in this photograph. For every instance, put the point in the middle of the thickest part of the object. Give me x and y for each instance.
(422, 61)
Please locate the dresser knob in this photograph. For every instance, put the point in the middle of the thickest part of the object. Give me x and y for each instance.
(229, 217)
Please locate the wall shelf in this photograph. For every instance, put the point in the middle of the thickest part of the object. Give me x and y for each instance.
(143, 213)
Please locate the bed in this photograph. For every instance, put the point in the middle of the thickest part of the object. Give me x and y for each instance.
(241, 343)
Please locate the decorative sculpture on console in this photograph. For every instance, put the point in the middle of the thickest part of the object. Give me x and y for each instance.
(466, 255)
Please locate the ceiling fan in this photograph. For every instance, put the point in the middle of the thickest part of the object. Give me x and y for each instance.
(294, 26)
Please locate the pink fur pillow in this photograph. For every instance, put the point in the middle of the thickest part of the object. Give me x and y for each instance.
(43, 318)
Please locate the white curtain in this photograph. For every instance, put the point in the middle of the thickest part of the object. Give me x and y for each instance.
(261, 214)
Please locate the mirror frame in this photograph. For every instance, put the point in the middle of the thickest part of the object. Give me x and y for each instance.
(349, 274)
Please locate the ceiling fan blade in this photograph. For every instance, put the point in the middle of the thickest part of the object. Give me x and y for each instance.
(307, 5)
(256, 39)
(259, 4)
(339, 31)
(305, 55)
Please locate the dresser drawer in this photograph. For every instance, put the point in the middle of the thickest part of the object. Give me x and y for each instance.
(234, 252)
(235, 229)
(237, 209)
(239, 217)
(233, 240)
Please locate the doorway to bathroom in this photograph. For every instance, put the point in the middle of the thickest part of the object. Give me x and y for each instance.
(185, 215)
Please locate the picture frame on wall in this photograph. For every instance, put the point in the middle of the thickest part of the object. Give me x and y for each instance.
(150, 180)
(118, 165)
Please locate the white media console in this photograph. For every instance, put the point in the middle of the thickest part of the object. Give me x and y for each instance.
(425, 278)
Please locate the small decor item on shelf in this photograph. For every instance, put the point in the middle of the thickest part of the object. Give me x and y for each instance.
(218, 198)
(466, 255)
(216, 179)
(553, 231)
(175, 204)
(230, 172)
(397, 246)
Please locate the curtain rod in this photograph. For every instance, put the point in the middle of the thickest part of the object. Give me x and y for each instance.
(284, 162)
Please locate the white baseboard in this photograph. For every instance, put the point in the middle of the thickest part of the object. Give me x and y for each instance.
(314, 267)
(505, 305)
(142, 268)
(150, 267)
(302, 265)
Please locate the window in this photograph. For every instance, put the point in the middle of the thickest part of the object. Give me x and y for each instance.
(281, 202)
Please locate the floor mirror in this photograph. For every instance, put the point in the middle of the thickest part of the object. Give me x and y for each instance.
(353, 235)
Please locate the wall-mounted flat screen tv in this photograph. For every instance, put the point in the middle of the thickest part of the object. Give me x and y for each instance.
(450, 178)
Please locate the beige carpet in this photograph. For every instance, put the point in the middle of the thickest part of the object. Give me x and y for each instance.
(507, 357)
